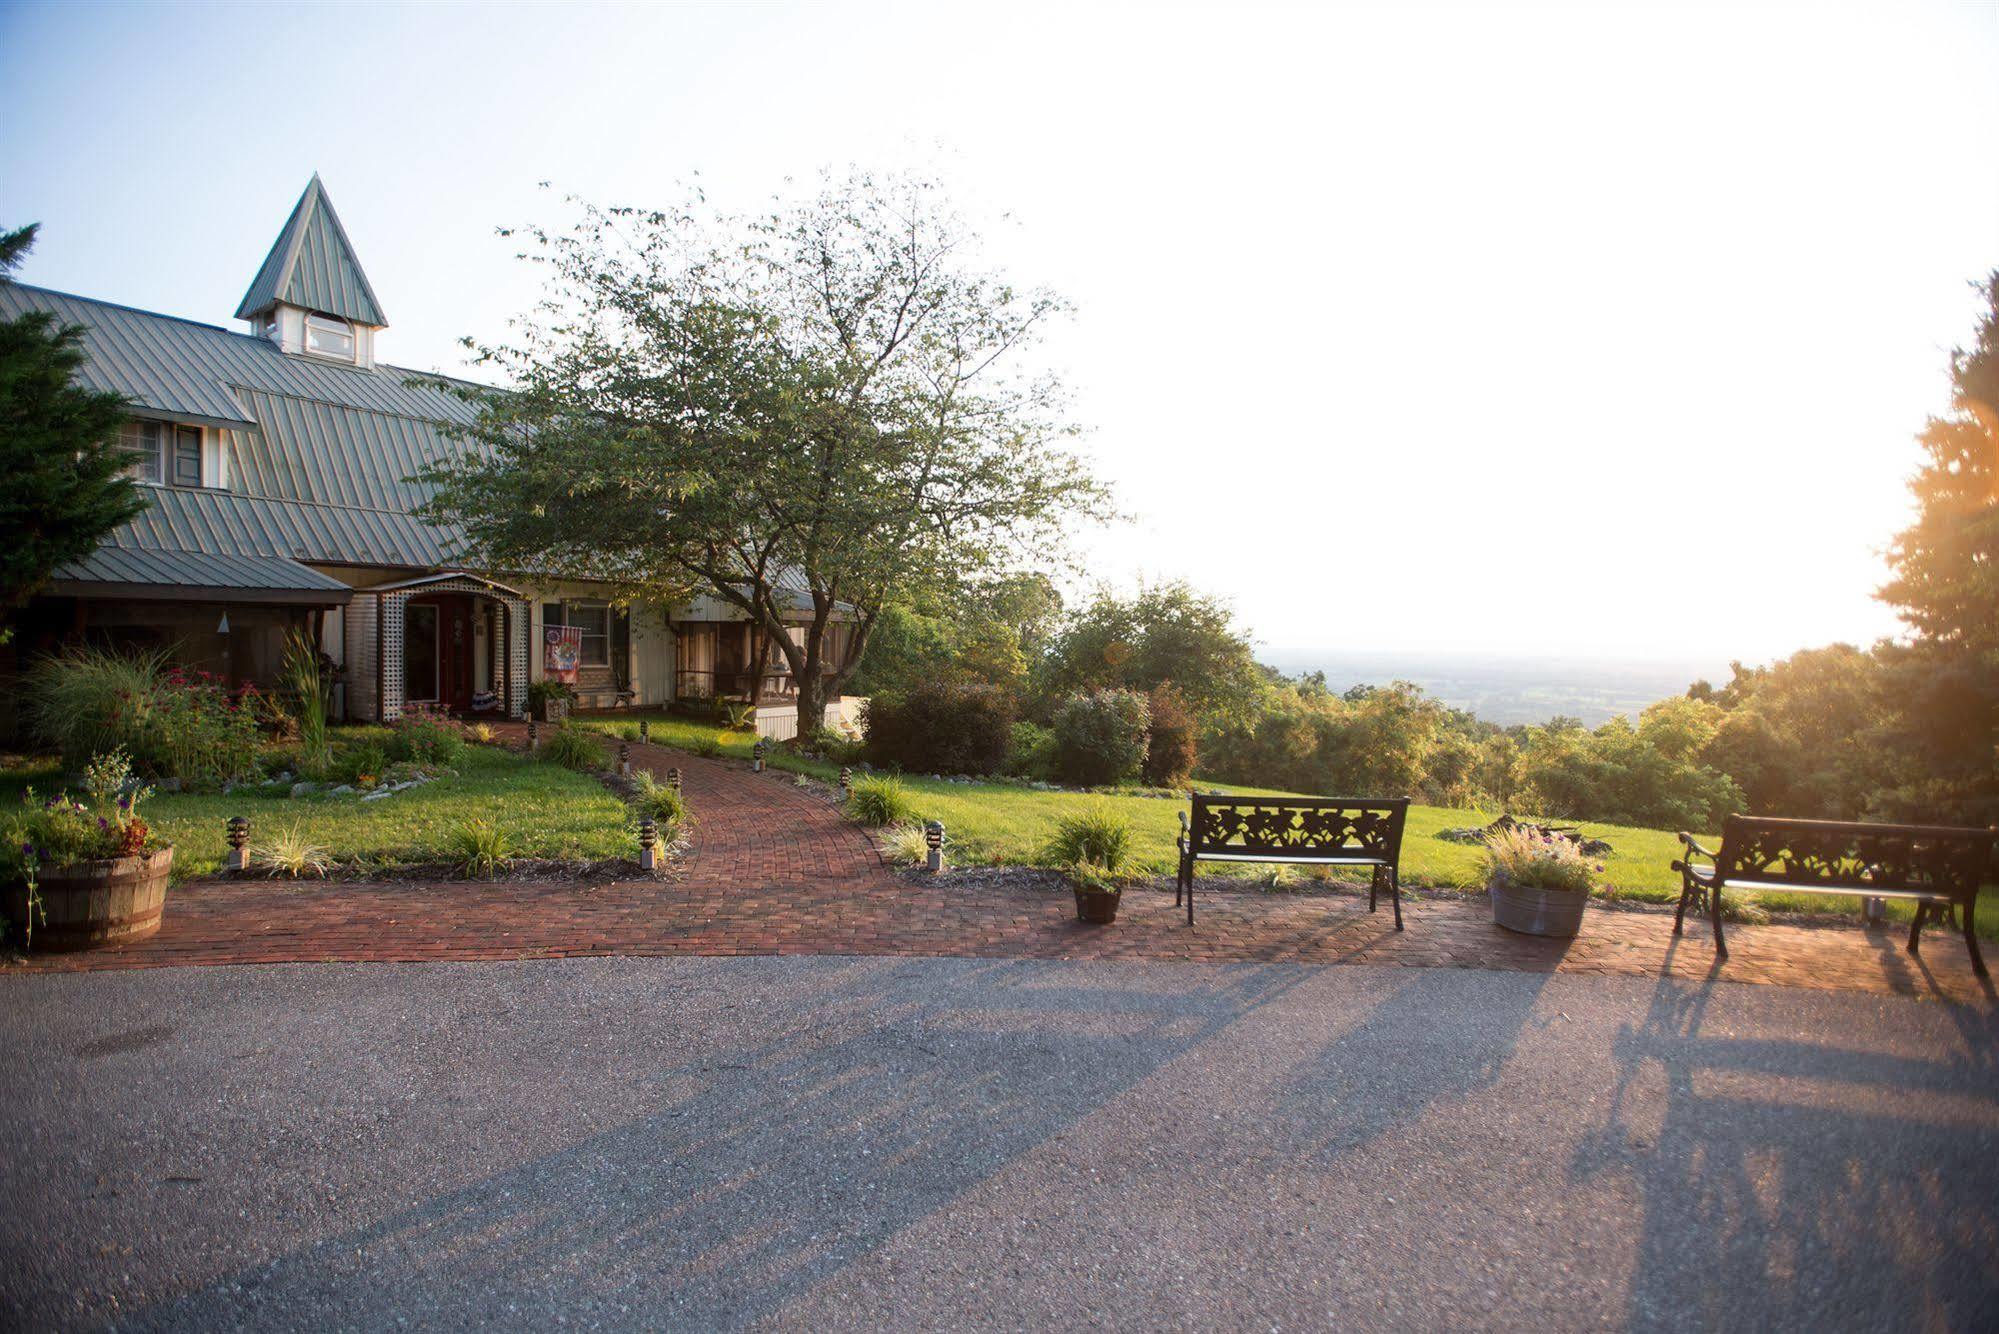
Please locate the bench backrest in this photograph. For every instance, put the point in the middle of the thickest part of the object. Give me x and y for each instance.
(1300, 826)
(1856, 855)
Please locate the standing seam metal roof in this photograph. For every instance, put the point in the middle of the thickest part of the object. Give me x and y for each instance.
(313, 266)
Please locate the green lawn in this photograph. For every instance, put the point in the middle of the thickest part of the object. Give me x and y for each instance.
(548, 811)
(1001, 824)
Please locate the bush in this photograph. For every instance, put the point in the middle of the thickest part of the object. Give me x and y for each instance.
(1537, 861)
(306, 690)
(941, 728)
(1170, 749)
(654, 799)
(879, 800)
(290, 852)
(480, 847)
(172, 723)
(1100, 738)
(573, 748)
(1094, 836)
(362, 763)
(1030, 752)
(426, 736)
(905, 844)
(832, 745)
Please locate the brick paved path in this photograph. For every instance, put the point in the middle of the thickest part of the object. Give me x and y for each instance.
(773, 870)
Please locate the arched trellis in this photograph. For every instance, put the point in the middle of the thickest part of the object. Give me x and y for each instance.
(375, 636)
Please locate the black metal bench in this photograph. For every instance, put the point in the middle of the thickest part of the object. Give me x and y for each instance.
(1938, 867)
(1296, 831)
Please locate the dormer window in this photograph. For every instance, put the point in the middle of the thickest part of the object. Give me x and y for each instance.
(326, 336)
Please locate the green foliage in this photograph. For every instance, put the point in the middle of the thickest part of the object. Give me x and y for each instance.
(543, 693)
(1171, 750)
(290, 851)
(306, 698)
(573, 748)
(879, 800)
(426, 736)
(172, 723)
(707, 745)
(363, 762)
(1618, 773)
(653, 799)
(832, 745)
(1097, 835)
(905, 844)
(1166, 632)
(480, 847)
(1371, 741)
(1534, 861)
(986, 631)
(59, 448)
(938, 727)
(1100, 738)
(1092, 878)
(1030, 752)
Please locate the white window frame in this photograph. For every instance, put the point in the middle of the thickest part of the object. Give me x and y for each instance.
(332, 324)
(150, 469)
(569, 608)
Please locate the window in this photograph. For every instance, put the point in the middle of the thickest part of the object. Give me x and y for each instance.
(328, 337)
(593, 619)
(146, 441)
(186, 470)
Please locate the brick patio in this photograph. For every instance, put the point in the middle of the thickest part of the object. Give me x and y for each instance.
(773, 870)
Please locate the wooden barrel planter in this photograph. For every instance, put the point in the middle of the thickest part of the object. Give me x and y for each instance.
(94, 903)
(1537, 912)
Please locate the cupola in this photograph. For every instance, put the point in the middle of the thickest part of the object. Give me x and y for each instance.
(311, 297)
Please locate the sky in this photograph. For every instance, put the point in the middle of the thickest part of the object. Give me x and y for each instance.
(1498, 330)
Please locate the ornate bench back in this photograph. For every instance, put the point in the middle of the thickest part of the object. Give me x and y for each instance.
(1300, 826)
(1837, 854)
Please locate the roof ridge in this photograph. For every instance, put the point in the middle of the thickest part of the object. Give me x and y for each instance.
(141, 310)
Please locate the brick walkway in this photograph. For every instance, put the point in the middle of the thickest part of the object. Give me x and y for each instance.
(773, 870)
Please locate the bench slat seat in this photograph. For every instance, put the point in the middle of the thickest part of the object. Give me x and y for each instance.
(1938, 867)
(1295, 831)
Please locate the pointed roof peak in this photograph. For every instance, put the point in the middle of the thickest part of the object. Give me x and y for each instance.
(313, 266)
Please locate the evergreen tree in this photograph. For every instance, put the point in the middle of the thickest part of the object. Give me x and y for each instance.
(59, 448)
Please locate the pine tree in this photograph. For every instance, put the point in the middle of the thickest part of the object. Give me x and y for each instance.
(59, 448)
(1946, 586)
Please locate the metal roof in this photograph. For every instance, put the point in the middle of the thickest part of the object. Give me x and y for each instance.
(164, 572)
(313, 266)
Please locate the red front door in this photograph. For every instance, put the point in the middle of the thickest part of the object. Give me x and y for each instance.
(437, 650)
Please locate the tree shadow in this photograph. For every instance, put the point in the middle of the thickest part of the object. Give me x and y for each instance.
(766, 1171)
(1760, 1192)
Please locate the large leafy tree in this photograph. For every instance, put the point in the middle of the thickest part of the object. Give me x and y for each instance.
(59, 448)
(807, 413)
(1164, 632)
(1945, 585)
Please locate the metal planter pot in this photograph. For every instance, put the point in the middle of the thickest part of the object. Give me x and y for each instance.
(1537, 912)
(1096, 906)
(94, 903)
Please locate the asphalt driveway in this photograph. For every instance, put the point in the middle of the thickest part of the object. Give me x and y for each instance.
(933, 1143)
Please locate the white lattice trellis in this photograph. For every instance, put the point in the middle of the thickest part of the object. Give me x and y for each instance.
(393, 606)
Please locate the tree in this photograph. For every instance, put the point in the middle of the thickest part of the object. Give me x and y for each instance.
(59, 450)
(989, 630)
(1945, 585)
(813, 412)
(1165, 632)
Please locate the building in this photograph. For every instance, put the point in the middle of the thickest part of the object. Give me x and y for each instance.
(278, 466)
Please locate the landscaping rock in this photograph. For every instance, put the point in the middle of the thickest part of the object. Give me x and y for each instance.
(303, 789)
(344, 790)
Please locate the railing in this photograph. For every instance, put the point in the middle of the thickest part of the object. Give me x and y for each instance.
(775, 687)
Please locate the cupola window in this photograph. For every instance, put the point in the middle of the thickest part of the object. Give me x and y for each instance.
(329, 337)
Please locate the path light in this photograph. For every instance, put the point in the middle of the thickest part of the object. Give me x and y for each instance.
(757, 757)
(534, 735)
(239, 844)
(933, 839)
(645, 731)
(846, 782)
(648, 845)
(673, 779)
(624, 759)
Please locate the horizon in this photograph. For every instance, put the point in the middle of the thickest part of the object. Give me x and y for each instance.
(1600, 328)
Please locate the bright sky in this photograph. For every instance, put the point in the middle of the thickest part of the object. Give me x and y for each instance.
(1594, 329)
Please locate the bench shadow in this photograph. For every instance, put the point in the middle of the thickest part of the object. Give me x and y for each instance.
(764, 1171)
(1883, 1207)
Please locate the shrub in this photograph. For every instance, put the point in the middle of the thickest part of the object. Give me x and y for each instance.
(708, 747)
(1100, 738)
(541, 694)
(290, 852)
(1170, 750)
(1030, 752)
(362, 763)
(480, 847)
(172, 723)
(1537, 861)
(880, 800)
(306, 690)
(905, 844)
(941, 728)
(654, 799)
(832, 745)
(482, 734)
(426, 736)
(1095, 836)
(573, 748)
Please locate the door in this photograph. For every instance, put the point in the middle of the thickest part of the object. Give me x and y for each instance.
(439, 650)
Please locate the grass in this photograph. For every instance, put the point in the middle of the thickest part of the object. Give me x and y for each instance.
(548, 812)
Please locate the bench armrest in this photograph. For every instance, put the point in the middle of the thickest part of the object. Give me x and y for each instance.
(1694, 847)
(1182, 841)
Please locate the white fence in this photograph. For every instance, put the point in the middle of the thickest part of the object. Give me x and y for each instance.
(779, 722)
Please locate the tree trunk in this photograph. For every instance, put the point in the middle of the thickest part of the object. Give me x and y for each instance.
(811, 699)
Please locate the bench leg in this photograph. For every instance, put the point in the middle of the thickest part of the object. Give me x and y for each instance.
(1916, 927)
(1680, 913)
(1971, 938)
(1714, 916)
(1373, 886)
(1190, 894)
(1395, 896)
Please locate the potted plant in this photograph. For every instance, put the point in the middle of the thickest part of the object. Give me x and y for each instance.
(1097, 893)
(1539, 882)
(74, 874)
(549, 700)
